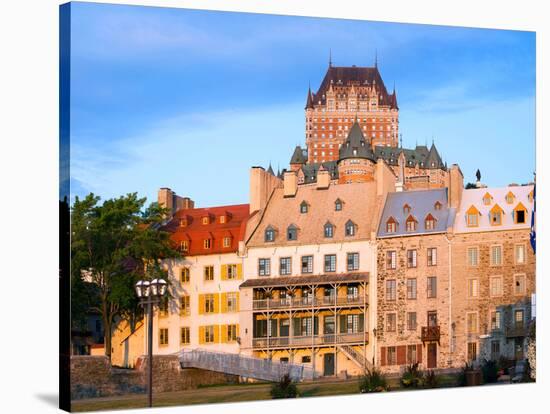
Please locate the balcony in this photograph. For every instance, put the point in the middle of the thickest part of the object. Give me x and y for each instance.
(516, 331)
(306, 341)
(309, 302)
(430, 333)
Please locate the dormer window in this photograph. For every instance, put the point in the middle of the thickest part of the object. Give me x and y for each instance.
(406, 209)
(269, 234)
(350, 228)
(520, 214)
(391, 225)
(411, 223)
(205, 220)
(226, 242)
(510, 197)
(487, 199)
(437, 205)
(184, 246)
(222, 219)
(183, 222)
(472, 217)
(495, 215)
(530, 196)
(303, 207)
(329, 230)
(207, 243)
(429, 223)
(292, 232)
(338, 205)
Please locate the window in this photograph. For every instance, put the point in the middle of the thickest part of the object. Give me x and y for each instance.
(307, 264)
(495, 350)
(473, 256)
(163, 336)
(496, 255)
(391, 322)
(338, 205)
(432, 256)
(391, 356)
(207, 243)
(429, 223)
(209, 303)
(411, 354)
(472, 351)
(285, 266)
(353, 261)
(519, 284)
(496, 285)
(205, 220)
(350, 228)
(185, 335)
(330, 263)
(496, 321)
(208, 273)
(530, 196)
(163, 307)
(411, 258)
(411, 224)
(292, 232)
(185, 307)
(411, 321)
(227, 242)
(209, 334)
(306, 359)
(519, 250)
(495, 215)
(510, 197)
(391, 225)
(329, 230)
(269, 234)
(222, 219)
(437, 205)
(472, 217)
(231, 271)
(519, 216)
(231, 301)
(391, 259)
(264, 267)
(487, 199)
(184, 246)
(231, 333)
(391, 293)
(411, 288)
(185, 275)
(406, 209)
(303, 207)
(473, 288)
(519, 318)
(432, 287)
(471, 322)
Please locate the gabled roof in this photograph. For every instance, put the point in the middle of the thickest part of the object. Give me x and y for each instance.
(355, 145)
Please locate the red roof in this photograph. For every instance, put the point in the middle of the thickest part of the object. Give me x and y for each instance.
(187, 225)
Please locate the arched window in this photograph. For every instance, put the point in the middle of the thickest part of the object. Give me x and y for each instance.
(303, 207)
(292, 232)
(350, 228)
(328, 230)
(338, 205)
(510, 197)
(438, 205)
(269, 234)
(391, 225)
(406, 209)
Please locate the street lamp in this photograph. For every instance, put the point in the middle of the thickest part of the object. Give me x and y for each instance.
(150, 294)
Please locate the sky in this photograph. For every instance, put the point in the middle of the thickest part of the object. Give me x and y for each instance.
(191, 99)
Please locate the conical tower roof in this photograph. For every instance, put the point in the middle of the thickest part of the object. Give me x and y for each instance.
(356, 146)
(298, 156)
(433, 160)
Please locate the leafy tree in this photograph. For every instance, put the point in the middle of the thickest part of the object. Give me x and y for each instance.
(285, 388)
(112, 246)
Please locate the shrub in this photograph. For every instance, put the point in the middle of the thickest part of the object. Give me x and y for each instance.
(373, 381)
(430, 379)
(285, 388)
(412, 377)
(461, 380)
(489, 369)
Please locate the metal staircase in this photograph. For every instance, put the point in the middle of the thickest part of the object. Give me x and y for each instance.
(244, 366)
(356, 356)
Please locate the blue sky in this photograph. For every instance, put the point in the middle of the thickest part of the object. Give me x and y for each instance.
(191, 99)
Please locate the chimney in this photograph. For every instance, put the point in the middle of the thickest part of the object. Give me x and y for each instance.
(323, 179)
(456, 185)
(290, 184)
(166, 200)
(262, 185)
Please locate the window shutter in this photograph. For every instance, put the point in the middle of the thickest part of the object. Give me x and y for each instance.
(201, 304)
(297, 322)
(223, 334)
(216, 330)
(201, 334)
(237, 330)
(237, 302)
(316, 325)
(224, 303)
(239, 271)
(383, 356)
(419, 353)
(216, 297)
(401, 355)
(224, 272)
(343, 324)
(361, 322)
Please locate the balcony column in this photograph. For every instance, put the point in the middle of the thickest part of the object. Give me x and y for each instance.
(364, 286)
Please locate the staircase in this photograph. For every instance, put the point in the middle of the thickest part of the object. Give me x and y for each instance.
(356, 356)
(243, 366)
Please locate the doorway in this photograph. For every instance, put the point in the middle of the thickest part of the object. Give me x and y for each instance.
(432, 355)
(328, 366)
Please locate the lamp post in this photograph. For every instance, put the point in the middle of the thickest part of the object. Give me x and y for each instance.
(150, 294)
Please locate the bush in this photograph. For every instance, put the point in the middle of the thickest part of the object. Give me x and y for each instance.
(461, 381)
(285, 388)
(412, 378)
(373, 381)
(489, 369)
(430, 379)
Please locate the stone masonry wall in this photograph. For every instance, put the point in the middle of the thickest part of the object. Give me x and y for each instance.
(93, 376)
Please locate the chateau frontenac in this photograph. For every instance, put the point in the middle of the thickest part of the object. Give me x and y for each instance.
(360, 253)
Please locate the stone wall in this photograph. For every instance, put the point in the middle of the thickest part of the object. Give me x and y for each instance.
(93, 376)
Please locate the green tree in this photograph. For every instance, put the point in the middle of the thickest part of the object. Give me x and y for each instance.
(112, 246)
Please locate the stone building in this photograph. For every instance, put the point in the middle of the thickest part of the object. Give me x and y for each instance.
(413, 284)
(493, 268)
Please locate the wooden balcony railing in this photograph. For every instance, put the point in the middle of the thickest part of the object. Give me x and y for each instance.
(430, 333)
(304, 302)
(516, 331)
(326, 339)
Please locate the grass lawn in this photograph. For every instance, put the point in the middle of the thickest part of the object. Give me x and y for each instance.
(230, 393)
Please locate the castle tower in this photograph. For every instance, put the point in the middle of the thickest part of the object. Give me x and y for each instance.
(356, 161)
(347, 93)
